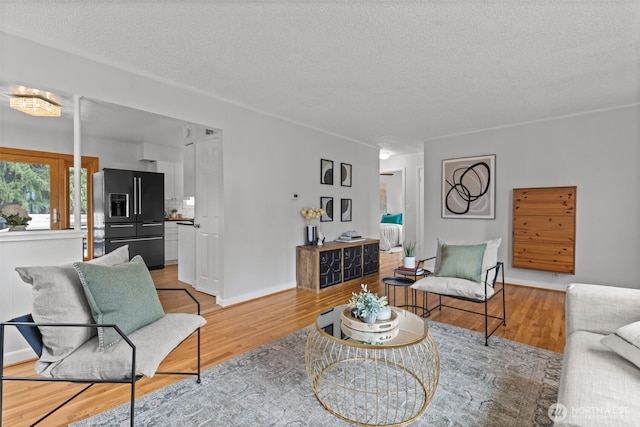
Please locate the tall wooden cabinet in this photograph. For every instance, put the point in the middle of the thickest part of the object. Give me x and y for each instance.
(319, 267)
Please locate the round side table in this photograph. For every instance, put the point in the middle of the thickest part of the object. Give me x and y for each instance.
(401, 282)
(382, 378)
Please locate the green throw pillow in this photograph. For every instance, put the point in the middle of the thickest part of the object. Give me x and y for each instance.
(462, 261)
(122, 294)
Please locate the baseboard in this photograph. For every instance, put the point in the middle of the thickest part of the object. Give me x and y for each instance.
(253, 295)
(541, 285)
(18, 356)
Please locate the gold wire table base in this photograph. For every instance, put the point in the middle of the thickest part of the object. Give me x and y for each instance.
(372, 385)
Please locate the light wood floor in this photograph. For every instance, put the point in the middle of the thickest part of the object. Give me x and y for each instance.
(534, 317)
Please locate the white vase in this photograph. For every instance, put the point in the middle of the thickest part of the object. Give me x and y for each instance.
(384, 313)
(409, 262)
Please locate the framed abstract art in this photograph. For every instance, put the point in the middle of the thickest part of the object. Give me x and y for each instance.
(326, 171)
(469, 187)
(326, 203)
(345, 210)
(345, 174)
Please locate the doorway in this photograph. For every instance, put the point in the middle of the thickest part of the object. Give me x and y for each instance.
(392, 210)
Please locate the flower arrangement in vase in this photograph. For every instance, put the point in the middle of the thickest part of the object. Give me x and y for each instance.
(311, 215)
(15, 216)
(366, 305)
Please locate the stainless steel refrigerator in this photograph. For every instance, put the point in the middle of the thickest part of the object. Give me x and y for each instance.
(128, 209)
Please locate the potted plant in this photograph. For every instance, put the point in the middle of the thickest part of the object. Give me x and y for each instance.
(16, 217)
(409, 249)
(366, 305)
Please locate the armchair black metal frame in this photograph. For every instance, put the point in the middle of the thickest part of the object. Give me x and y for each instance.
(29, 330)
(485, 301)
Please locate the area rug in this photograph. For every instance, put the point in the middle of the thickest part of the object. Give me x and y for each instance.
(505, 384)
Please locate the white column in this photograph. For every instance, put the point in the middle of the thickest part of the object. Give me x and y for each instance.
(77, 164)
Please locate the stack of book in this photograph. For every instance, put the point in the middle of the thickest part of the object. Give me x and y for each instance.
(350, 238)
(413, 271)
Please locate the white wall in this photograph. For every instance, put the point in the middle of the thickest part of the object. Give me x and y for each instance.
(598, 152)
(112, 154)
(265, 160)
(394, 183)
(410, 165)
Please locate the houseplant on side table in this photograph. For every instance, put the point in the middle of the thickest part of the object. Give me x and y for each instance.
(409, 249)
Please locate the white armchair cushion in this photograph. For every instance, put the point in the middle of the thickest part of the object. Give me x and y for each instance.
(153, 343)
(626, 342)
(454, 287)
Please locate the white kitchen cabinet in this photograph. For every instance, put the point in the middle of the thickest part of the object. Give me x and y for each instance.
(173, 179)
(170, 242)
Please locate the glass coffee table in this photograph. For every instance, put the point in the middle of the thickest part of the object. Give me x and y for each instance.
(383, 374)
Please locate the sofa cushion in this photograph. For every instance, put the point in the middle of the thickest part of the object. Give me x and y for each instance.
(122, 294)
(57, 297)
(489, 260)
(153, 343)
(625, 341)
(461, 261)
(454, 287)
(597, 387)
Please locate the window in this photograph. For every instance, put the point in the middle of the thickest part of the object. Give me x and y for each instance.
(42, 183)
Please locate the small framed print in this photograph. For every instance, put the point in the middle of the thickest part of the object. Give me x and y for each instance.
(345, 210)
(345, 174)
(326, 203)
(326, 171)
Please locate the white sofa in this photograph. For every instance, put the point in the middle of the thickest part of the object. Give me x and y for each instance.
(598, 386)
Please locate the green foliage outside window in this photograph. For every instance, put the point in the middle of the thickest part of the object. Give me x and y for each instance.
(83, 190)
(25, 184)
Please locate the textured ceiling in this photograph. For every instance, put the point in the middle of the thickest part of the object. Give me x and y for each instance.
(389, 73)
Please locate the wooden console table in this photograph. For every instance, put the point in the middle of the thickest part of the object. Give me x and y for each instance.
(319, 267)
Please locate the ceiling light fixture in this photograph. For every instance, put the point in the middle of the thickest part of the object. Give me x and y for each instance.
(34, 102)
(384, 155)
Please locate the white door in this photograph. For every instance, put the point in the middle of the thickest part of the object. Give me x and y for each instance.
(208, 214)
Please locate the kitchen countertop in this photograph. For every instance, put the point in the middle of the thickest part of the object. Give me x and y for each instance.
(179, 219)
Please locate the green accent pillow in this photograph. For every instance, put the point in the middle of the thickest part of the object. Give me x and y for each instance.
(122, 294)
(462, 261)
